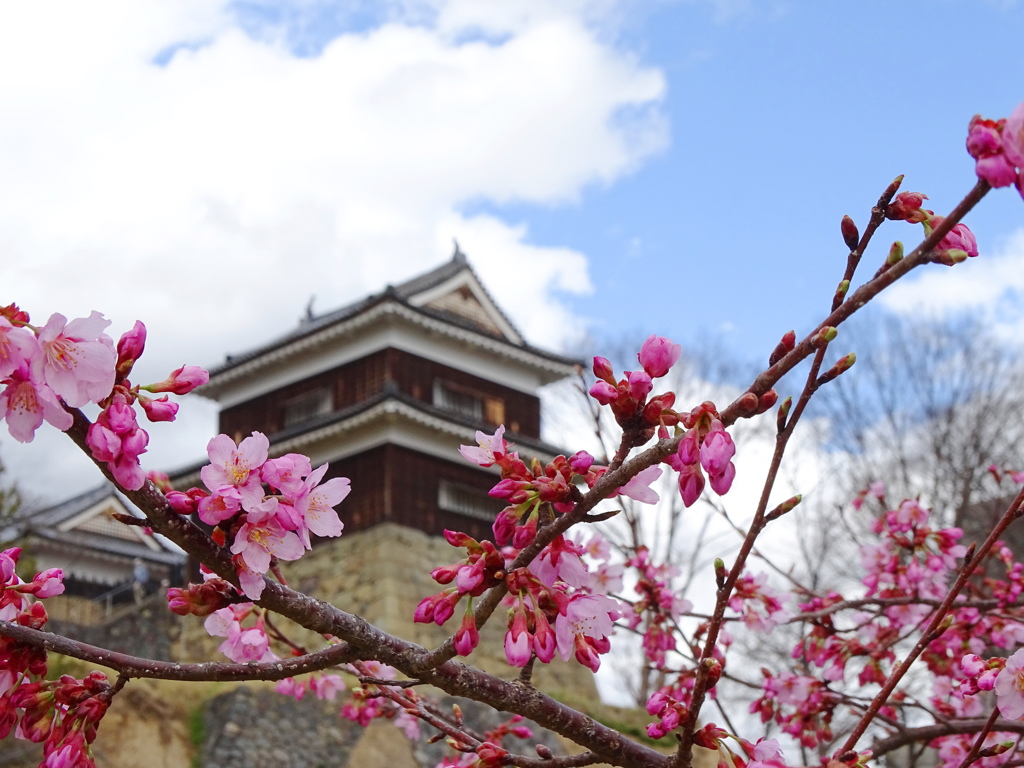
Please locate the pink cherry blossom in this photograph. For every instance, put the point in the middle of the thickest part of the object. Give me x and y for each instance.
(285, 473)
(27, 401)
(316, 505)
(489, 448)
(77, 359)
(236, 469)
(17, 346)
(326, 687)
(241, 645)
(639, 486)
(584, 627)
(467, 637)
(657, 355)
(639, 384)
(518, 648)
(997, 170)
(262, 536)
(1013, 136)
(691, 484)
(560, 561)
(721, 483)
(216, 508)
(47, 584)
(1009, 687)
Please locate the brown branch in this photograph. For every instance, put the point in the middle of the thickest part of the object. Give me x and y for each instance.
(134, 666)
(926, 733)
(975, 751)
(567, 761)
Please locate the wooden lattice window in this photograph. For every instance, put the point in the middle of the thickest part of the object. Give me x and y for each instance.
(469, 403)
(307, 407)
(466, 500)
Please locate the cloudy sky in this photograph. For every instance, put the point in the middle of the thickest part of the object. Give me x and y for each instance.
(659, 166)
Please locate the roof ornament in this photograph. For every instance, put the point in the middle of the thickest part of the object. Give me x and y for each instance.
(309, 311)
(458, 257)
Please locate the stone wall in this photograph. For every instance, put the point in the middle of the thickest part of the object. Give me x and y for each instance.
(147, 629)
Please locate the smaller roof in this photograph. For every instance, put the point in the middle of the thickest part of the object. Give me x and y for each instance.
(86, 522)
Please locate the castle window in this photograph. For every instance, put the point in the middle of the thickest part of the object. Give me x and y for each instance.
(468, 403)
(307, 407)
(458, 400)
(466, 500)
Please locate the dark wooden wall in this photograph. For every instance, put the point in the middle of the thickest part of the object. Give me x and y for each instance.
(398, 485)
(354, 382)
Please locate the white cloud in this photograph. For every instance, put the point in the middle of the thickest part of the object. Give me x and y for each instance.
(212, 195)
(991, 285)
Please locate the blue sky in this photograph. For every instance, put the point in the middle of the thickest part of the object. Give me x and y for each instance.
(654, 166)
(782, 121)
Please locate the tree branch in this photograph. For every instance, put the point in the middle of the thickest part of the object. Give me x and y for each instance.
(134, 666)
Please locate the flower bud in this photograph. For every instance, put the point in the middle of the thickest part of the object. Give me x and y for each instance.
(824, 336)
(181, 381)
(783, 347)
(895, 254)
(603, 370)
(130, 347)
(159, 409)
(604, 392)
(640, 384)
(907, 207)
(783, 413)
(841, 291)
(721, 574)
(768, 400)
(747, 404)
(182, 503)
(787, 506)
(850, 234)
(842, 365)
(658, 355)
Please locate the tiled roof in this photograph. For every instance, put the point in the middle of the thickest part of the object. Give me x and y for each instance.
(401, 293)
(46, 524)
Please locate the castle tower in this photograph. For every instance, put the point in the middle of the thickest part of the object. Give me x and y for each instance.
(387, 388)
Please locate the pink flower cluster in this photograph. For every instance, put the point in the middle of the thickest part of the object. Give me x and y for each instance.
(757, 604)
(908, 572)
(803, 706)
(706, 445)
(241, 644)
(627, 397)
(369, 701)
(997, 147)
(61, 714)
(323, 686)
(42, 366)
(958, 244)
(262, 525)
(487, 752)
(529, 490)
(45, 370)
(115, 437)
(552, 608)
(659, 606)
